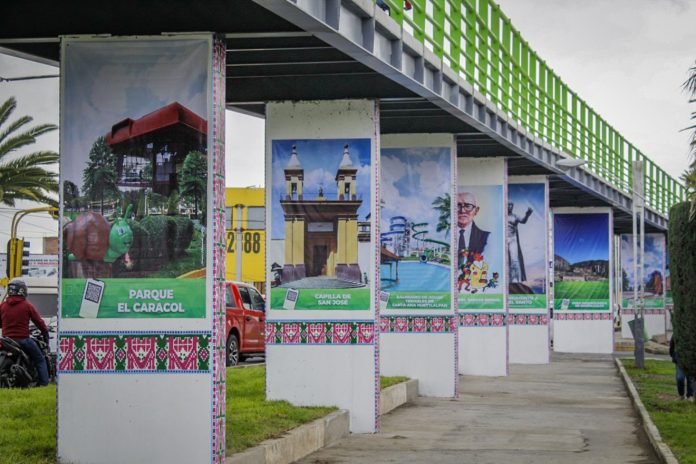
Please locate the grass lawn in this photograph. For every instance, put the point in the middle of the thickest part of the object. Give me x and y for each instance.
(251, 419)
(28, 418)
(675, 419)
(386, 382)
(584, 290)
(28, 426)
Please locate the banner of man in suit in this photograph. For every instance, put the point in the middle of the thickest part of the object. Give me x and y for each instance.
(480, 247)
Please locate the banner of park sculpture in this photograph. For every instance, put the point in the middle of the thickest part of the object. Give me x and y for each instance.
(653, 271)
(415, 228)
(526, 245)
(134, 188)
(321, 246)
(480, 247)
(581, 262)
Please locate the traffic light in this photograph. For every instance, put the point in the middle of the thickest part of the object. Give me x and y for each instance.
(17, 258)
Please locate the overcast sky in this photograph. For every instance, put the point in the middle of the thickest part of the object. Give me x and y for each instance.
(626, 58)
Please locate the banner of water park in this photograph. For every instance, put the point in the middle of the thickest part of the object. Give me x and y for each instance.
(415, 267)
(135, 186)
(321, 246)
(581, 262)
(653, 271)
(526, 246)
(480, 247)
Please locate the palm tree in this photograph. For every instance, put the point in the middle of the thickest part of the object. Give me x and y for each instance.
(23, 177)
(443, 206)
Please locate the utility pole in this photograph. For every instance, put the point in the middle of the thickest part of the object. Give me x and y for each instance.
(638, 211)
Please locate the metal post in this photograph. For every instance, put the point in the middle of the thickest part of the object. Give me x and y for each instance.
(238, 244)
(638, 290)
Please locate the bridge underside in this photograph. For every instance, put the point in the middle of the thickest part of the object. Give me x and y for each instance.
(286, 54)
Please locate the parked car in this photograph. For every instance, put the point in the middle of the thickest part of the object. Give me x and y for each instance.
(245, 308)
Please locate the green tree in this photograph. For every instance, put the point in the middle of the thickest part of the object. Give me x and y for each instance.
(689, 176)
(443, 205)
(100, 176)
(682, 254)
(71, 195)
(194, 179)
(24, 177)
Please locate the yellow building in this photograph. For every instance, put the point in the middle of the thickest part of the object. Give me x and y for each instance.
(245, 221)
(321, 234)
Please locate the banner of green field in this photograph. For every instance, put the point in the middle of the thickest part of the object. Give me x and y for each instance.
(581, 262)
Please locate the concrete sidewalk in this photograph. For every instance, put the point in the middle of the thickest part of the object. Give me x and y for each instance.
(574, 410)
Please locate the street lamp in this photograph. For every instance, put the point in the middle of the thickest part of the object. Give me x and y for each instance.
(638, 214)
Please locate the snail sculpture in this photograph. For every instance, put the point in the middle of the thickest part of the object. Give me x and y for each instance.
(90, 237)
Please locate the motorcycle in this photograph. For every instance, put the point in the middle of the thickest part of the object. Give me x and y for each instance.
(16, 367)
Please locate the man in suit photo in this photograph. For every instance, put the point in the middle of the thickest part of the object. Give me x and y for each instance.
(472, 240)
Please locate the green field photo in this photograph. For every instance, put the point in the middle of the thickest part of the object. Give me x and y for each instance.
(584, 290)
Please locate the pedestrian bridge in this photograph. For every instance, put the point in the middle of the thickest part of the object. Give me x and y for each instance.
(339, 82)
(456, 66)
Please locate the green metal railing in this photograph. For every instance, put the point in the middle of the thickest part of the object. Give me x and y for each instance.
(477, 40)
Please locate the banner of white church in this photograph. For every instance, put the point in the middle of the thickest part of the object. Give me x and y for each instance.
(321, 205)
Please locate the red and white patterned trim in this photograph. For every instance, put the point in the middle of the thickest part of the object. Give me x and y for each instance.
(134, 353)
(418, 324)
(657, 312)
(528, 319)
(219, 393)
(482, 319)
(583, 316)
(320, 333)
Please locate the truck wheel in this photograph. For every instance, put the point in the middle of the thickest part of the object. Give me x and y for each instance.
(232, 358)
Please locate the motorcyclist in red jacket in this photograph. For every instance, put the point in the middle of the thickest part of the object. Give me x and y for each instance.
(15, 313)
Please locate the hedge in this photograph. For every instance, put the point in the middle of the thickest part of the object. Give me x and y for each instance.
(682, 255)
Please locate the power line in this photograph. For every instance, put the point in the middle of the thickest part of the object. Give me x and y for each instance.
(27, 78)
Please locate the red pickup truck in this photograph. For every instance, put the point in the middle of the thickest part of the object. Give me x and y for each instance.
(245, 310)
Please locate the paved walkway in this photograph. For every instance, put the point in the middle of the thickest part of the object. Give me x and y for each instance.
(574, 410)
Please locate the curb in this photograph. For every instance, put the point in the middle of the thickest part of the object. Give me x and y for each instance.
(661, 449)
(296, 443)
(397, 395)
(308, 438)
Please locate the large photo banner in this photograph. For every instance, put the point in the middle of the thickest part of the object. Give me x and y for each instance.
(480, 247)
(526, 246)
(415, 228)
(320, 212)
(653, 271)
(134, 179)
(581, 262)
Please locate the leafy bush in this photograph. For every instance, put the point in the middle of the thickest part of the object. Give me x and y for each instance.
(682, 253)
